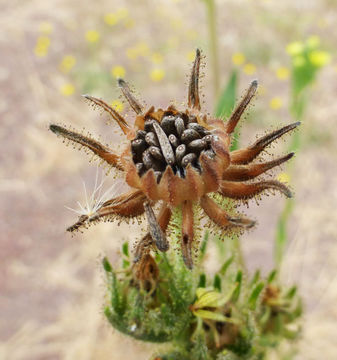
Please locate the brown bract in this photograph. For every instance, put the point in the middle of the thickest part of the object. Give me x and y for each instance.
(180, 158)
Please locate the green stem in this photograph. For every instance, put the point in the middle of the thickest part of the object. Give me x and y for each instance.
(213, 44)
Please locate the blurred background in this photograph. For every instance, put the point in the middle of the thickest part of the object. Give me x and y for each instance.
(51, 285)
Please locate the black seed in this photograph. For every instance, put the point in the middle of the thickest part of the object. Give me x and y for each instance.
(148, 125)
(138, 145)
(140, 134)
(137, 148)
(140, 168)
(189, 135)
(180, 153)
(158, 175)
(165, 145)
(167, 123)
(200, 129)
(151, 139)
(189, 158)
(185, 118)
(179, 124)
(173, 140)
(197, 145)
(207, 138)
(156, 153)
(147, 159)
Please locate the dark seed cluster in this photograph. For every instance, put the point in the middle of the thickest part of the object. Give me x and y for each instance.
(178, 140)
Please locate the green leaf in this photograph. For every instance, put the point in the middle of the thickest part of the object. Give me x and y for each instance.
(203, 245)
(106, 264)
(226, 265)
(226, 101)
(238, 280)
(256, 277)
(291, 292)
(217, 282)
(125, 249)
(210, 298)
(271, 276)
(202, 281)
(255, 294)
(210, 315)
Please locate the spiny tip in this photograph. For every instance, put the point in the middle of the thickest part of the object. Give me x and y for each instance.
(197, 52)
(54, 128)
(120, 82)
(255, 83)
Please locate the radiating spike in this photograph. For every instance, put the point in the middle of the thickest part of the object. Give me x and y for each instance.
(193, 89)
(247, 172)
(236, 115)
(187, 233)
(236, 190)
(113, 113)
(136, 106)
(245, 156)
(220, 217)
(156, 232)
(97, 148)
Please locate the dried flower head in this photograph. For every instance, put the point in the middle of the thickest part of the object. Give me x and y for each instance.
(180, 158)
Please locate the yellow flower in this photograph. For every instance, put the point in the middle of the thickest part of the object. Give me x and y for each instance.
(67, 89)
(238, 59)
(275, 103)
(46, 27)
(319, 58)
(282, 73)
(129, 23)
(172, 42)
(295, 48)
(111, 19)
(118, 71)
(313, 41)
(143, 48)
(157, 58)
(176, 23)
(117, 105)
(122, 13)
(42, 46)
(283, 178)
(67, 63)
(191, 34)
(43, 41)
(157, 74)
(299, 61)
(92, 36)
(191, 55)
(40, 51)
(249, 69)
(132, 53)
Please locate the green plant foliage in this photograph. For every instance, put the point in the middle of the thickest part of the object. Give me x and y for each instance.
(199, 317)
